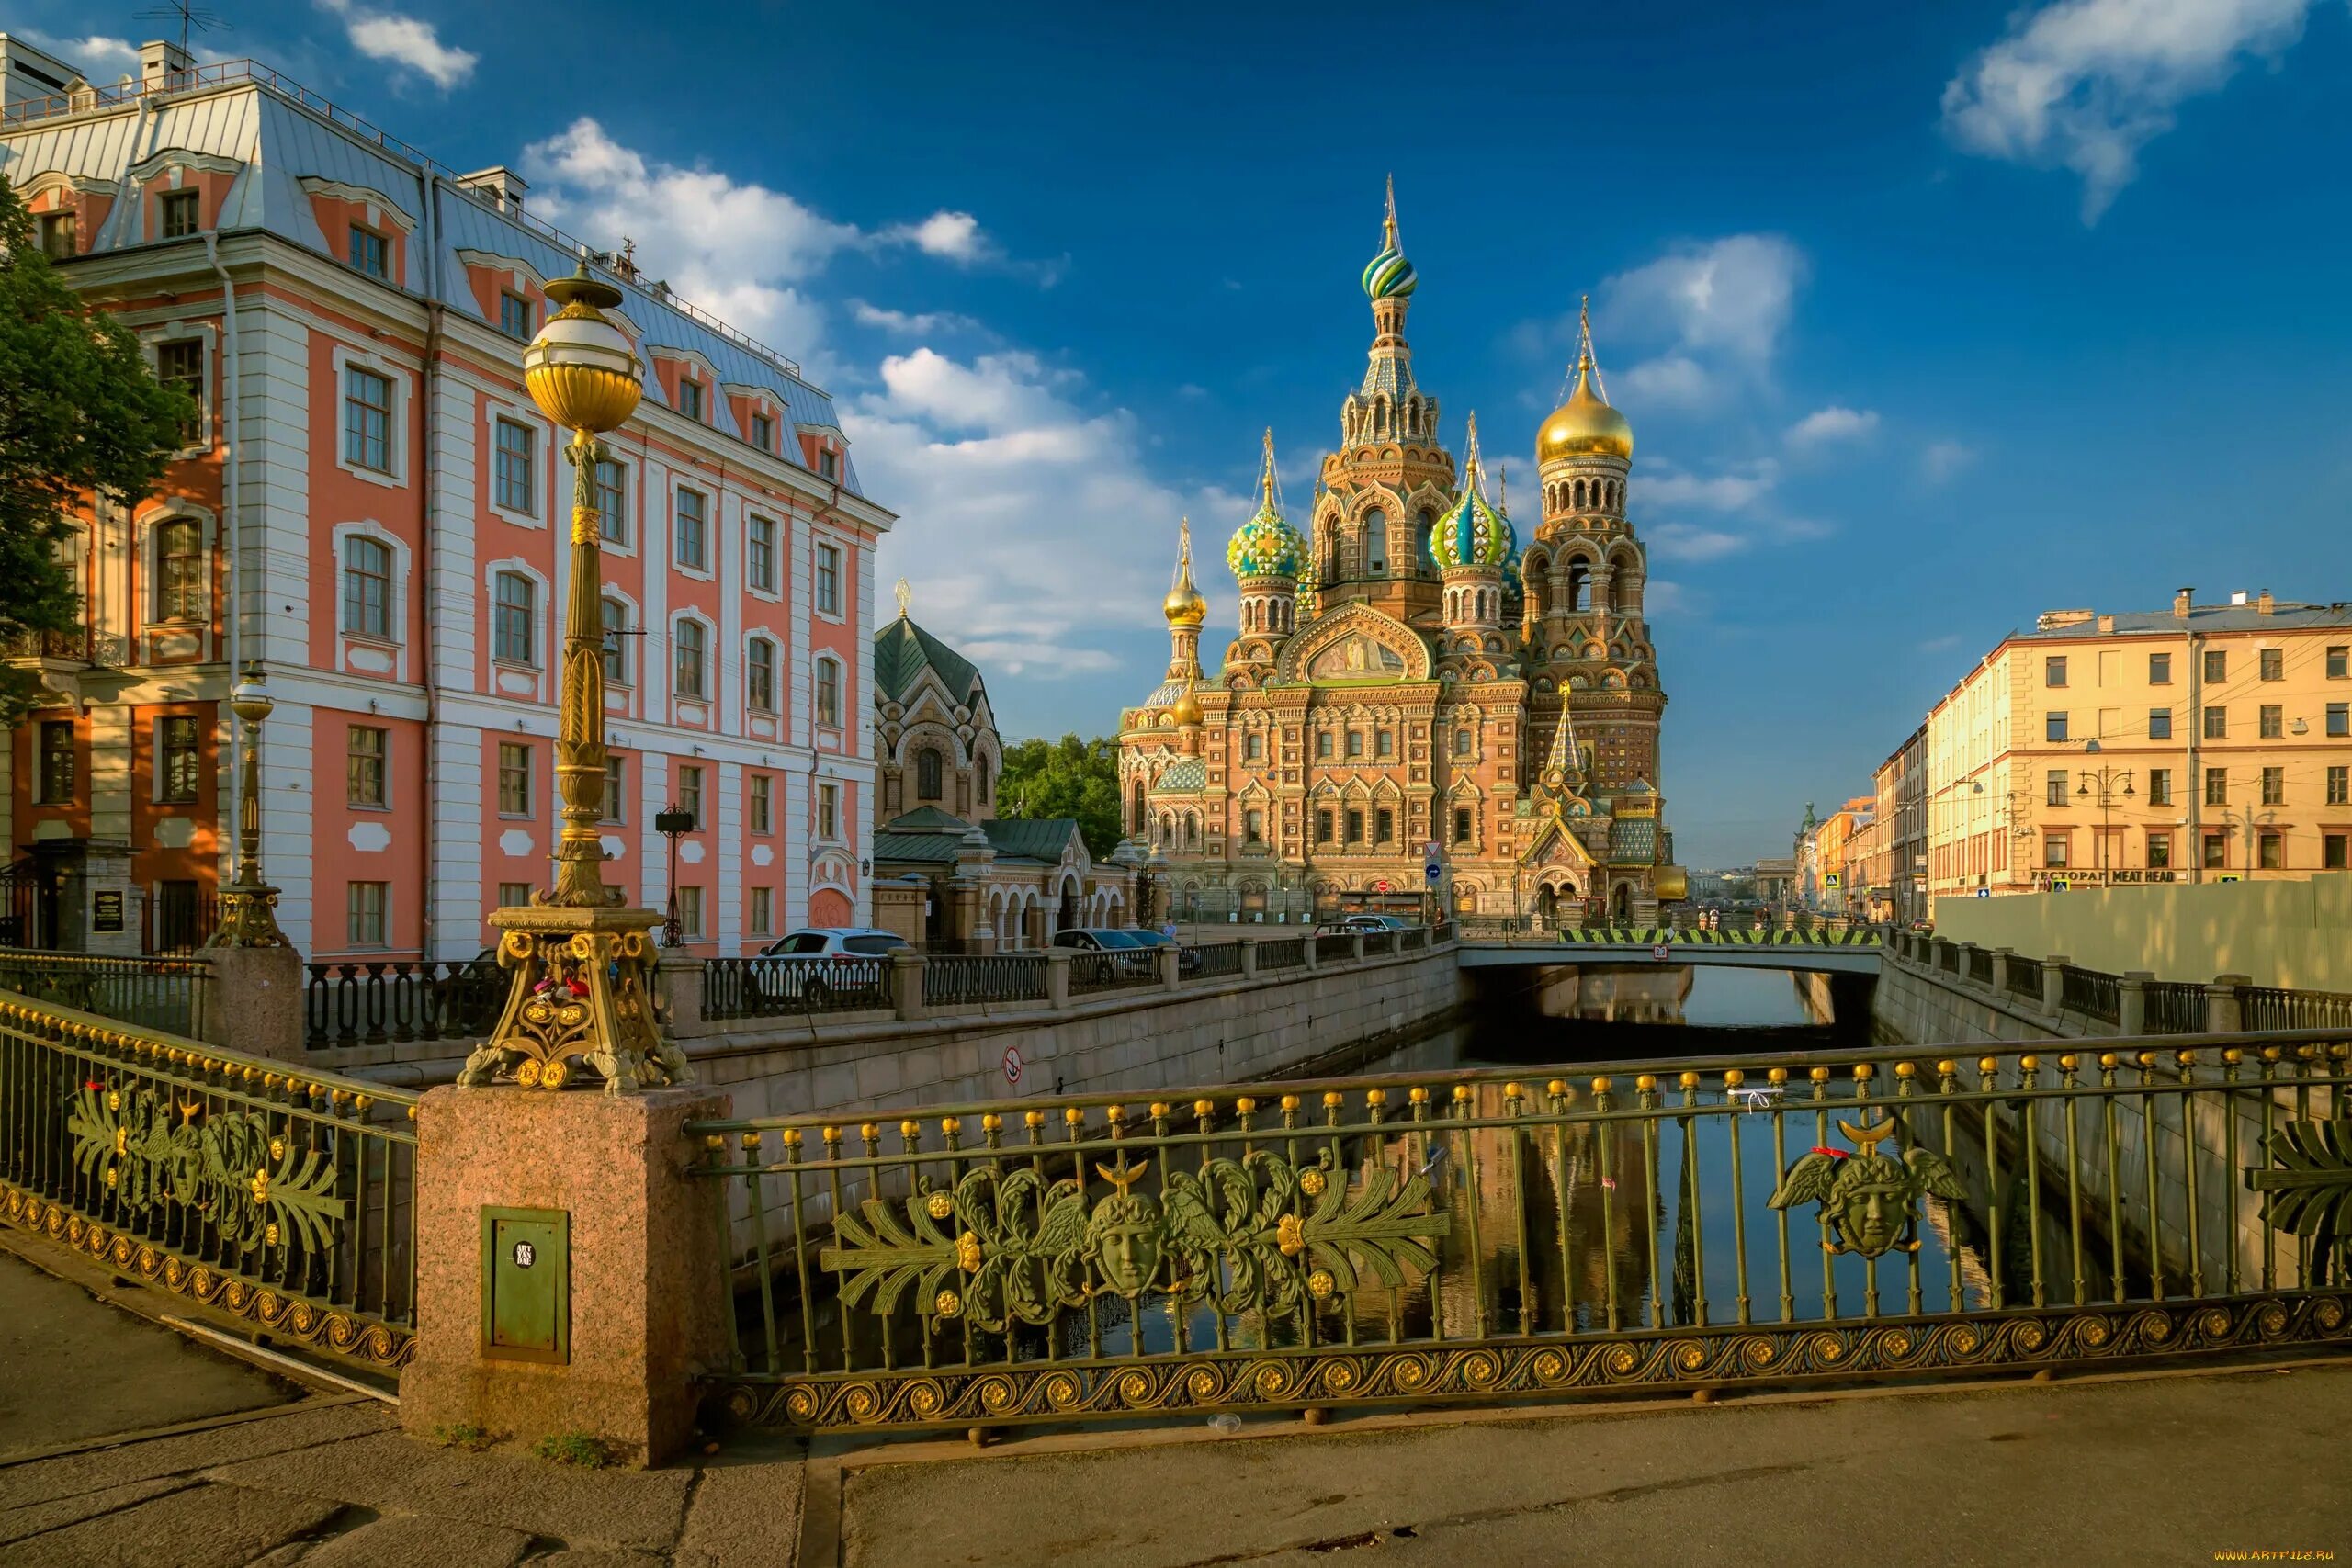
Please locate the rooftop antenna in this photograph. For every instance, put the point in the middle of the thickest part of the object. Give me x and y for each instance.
(190, 16)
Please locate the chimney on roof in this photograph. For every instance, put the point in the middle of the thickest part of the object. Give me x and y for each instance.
(2265, 604)
(2107, 626)
(2237, 600)
(497, 186)
(163, 65)
(2180, 601)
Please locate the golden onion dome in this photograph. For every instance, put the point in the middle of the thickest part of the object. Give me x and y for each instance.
(1584, 426)
(1187, 710)
(1184, 606)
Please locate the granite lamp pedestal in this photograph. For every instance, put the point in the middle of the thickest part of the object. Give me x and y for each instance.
(644, 1277)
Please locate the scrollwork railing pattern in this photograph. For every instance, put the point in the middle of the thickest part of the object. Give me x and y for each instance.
(1467, 1235)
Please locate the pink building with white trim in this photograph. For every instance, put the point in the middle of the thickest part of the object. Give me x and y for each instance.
(368, 509)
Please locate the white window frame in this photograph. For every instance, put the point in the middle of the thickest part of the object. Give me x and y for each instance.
(817, 544)
(542, 459)
(531, 612)
(708, 696)
(817, 665)
(345, 358)
(777, 675)
(152, 343)
(542, 618)
(632, 647)
(155, 796)
(150, 555)
(631, 521)
(704, 573)
(774, 591)
(369, 528)
(828, 794)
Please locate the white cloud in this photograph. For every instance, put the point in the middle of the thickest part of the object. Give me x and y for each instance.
(1835, 423)
(2085, 84)
(405, 42)
(1730, 491)
(1029, 525)
(1686, 542)
(1663, 596)
(1730, 297)
(1672, 379)
(905, 323)
(97, 58)
(1942, 459)
(954, 235)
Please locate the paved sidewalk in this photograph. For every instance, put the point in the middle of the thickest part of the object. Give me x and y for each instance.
(2146, 1470)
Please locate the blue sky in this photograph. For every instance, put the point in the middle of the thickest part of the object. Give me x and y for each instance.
(1927, 318)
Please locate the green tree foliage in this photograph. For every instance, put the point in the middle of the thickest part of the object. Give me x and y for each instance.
(1069, 777)
(80, 413)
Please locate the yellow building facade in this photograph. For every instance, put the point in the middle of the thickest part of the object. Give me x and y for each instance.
(2208, 743)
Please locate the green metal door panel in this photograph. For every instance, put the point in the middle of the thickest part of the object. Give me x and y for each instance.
(526, 1277)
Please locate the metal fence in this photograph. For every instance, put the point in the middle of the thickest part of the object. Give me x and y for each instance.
(283, 1199)
(777, 987)
(375, 1001)
(2174, 1008)
(1282, 952)
(981, 982)
(1467, 1235)
(1217, 960)
(153, 993)
(2267, 1007)
(1332, 947)
(2025, 980)
(1980, 966)
(2090, 993)
(1091, 972)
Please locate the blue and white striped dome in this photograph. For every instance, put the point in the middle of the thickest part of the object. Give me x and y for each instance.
(1389, 275)
(1473, 533)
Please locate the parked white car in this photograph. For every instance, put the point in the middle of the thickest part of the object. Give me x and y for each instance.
(825, 966)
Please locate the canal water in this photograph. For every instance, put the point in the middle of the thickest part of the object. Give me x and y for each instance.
(1660, 1222)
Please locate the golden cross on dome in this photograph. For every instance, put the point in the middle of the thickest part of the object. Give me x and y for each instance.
(906, 595)
(1267, 483)
(1388, 222)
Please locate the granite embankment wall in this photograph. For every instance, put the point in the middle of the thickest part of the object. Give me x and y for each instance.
(1141, 1041)
(1918, 1003)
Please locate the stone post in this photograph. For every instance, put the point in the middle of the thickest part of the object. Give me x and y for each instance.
(639, 1262)
(2224, 1006)
(1355, 947)
(2002, 958)
(1171, 971)
(1058, 976)
(1967, 957)
(1307, 948)
(907, 968)
(250, 999)
(2131, 994)
(2054, 984)
(679, 974)
(1249, 957)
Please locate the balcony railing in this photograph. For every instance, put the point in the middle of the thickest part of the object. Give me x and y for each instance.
(78, 645)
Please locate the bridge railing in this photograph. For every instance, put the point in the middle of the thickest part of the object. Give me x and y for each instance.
(278, 1198)
(1413, 1239)
(150, 993)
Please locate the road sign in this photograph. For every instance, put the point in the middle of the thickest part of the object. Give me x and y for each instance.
(2059, 885)
(1381, 886)
(1830, 879)
(1984, 893)
(1430, 870)
(1661, 953)
(1012, 1064)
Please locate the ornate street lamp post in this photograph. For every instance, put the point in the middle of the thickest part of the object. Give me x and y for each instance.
(247, 904)
(581, 965)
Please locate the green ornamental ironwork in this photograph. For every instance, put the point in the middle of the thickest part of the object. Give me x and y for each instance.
(999, 1248)
(254, 1187)
(1869, 1200)
(2309, 1193)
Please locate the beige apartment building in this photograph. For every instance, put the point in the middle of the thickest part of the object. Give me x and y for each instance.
(2210, 743)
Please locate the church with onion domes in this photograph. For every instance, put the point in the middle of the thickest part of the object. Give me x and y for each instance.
(1410, 681)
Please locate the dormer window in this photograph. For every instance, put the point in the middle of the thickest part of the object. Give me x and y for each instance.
(764, 432)
(828, 463)
(369, 253)
(514, 315)
(59, 234)
(690, 398)
(180, 213)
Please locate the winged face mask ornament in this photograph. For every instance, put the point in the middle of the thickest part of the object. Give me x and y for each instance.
(1869, 1202)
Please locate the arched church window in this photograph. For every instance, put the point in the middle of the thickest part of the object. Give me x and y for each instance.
(1423, 525)
(980, 778)
(928, 769)
(1376, 541)
(1580, 587)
